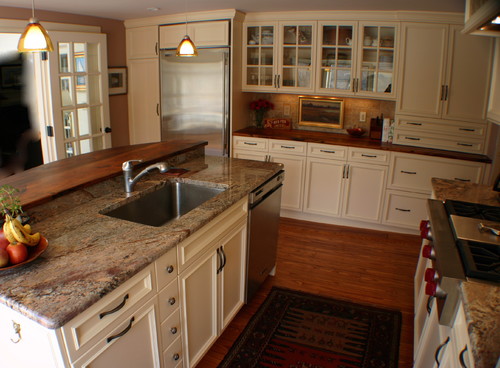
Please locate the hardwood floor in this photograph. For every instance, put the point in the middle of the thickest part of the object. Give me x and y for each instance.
(363, 266)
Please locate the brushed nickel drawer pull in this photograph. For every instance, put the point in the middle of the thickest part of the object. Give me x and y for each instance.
(371, 156)
(116, 309)
(250, 143)
(127, 329)
(412, 123)
(408, 172)
(461, 357)
(288, 147)
(326, 151)
(464, 144)
(438, 350)
(412, 138)
(402, 209)
(467, 129)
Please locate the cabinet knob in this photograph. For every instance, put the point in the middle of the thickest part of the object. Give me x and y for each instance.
(170, 269)
(176, 357)
(171, 301)
(17, 330)
(173, 330)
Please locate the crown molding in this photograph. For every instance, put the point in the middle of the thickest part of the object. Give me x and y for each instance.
(232, 14)
(18, 26)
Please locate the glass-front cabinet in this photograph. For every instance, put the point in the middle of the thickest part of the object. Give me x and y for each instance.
(279, 56)
(356, 59)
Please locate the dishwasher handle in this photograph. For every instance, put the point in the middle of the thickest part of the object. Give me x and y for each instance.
(259, 193)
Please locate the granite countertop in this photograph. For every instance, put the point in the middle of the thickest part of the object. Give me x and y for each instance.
(347, 140)
(90, 254)
(481, 299)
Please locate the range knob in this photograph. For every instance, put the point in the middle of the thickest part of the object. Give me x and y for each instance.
(428, 251)
(433, 289)
(425, 230)
(431, 275)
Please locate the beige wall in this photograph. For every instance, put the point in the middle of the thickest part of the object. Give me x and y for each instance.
(115, 31)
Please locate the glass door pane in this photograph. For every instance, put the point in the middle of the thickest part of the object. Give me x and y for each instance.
(260, 55)
(297, 56)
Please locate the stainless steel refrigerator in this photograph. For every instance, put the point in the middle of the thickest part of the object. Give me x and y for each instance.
(195, 98)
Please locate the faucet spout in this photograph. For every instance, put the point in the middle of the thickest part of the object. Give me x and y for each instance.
(130, 181)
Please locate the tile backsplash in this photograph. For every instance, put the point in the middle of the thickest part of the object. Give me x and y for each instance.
(352, 109)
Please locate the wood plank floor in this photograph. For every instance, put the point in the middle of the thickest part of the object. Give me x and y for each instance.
(364, 266)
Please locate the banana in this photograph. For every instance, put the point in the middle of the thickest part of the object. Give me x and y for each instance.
(27, 227)
(6, 230)
(21, 234)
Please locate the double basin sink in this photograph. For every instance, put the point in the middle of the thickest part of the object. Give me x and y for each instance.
(165, 204)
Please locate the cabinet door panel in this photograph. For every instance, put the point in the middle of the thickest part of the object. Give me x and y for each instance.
(294, 180)
(324, 186)
(142, 42)
(422, 68)
(364, 192)
(468, 78)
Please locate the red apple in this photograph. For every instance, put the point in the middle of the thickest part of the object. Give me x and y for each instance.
(17, 253)
(3, 241)
(4, 258)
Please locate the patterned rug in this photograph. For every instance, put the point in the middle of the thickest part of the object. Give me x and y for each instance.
(298, 330)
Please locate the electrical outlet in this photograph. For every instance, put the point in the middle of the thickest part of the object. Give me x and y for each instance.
(362, 116)
(286, 110)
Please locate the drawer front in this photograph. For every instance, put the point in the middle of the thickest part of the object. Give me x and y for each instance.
(327, 151)
(166, 268)
(83, 331)
(438, 141)
(405, 209)
(168, 300)
(462, 129)
(289, 147)
(172, 356)
(170, 329)
(250, 143)
(369, 156)
(414, 172)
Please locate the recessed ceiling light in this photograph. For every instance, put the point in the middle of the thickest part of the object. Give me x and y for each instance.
(153, 9)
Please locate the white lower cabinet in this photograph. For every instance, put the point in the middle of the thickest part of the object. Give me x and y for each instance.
(404, 209)
(212, 292)
(293, 184)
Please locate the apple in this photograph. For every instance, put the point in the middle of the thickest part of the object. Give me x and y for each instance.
(4, 258)
(3, 241)
(17, 252)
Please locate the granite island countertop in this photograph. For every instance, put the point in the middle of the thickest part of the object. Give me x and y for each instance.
(91, 254)
(481, 299)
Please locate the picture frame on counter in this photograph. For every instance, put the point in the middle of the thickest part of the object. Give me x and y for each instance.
(321, 112)
(117, 81)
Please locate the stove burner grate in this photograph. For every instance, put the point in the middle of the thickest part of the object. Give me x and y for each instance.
(481, 260)
(474, 210)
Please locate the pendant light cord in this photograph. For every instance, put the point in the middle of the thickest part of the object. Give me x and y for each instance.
(32, 8)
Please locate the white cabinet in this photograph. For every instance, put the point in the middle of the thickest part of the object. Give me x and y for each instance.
(279, 56)
(357, 58)
(494, 102)
(212, 281)
(432, 78)
(143, 84)
(214, 33)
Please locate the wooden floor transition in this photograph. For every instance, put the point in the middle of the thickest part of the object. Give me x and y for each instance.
(363, 266)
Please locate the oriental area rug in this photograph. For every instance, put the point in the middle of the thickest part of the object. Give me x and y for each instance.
(298, 330)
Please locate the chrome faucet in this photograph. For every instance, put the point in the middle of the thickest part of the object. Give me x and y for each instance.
(128, 167)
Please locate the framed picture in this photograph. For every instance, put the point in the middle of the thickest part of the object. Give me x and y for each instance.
(321, 112)
(117, 81)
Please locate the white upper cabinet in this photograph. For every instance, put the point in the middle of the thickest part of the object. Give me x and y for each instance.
(444, 74)
(356, 58)
(201, 33)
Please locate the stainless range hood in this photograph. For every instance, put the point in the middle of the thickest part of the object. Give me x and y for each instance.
(482, 17)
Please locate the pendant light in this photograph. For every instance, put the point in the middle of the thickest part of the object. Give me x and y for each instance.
(34, 37)
(186, 48)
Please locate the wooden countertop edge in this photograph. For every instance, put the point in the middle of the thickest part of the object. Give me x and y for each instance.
(361, 142)
(46, 182)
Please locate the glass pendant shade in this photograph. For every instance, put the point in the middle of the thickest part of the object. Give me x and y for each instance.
(34, 38)
(186, 48)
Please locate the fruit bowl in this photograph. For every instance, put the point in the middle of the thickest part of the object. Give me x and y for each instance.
(356, 132)
(33, 253)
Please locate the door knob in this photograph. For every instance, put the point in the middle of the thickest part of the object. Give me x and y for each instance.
(107, 130)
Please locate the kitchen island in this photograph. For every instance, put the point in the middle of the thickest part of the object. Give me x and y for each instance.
(481, 300)
(91, 254)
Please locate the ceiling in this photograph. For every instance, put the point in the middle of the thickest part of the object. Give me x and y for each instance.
(128, 9)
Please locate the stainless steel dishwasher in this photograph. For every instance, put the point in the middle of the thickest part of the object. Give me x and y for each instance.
(263, 224)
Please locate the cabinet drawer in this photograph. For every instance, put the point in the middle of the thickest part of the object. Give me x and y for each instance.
(449, 143)
(166, 268)
(369, 156)
(414, 172)
(405, 209)
(87, 328)
(326, 151)
(250, 143)
(168, 300)
(289, 147)
(170, 329)
(172, 356)
(462, 129)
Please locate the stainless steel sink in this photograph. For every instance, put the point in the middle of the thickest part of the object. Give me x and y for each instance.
(165, 204)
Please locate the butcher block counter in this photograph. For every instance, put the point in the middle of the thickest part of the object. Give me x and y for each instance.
(90, 254)
(347, 140)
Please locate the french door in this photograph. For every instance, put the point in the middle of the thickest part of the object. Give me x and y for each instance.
(76, 95)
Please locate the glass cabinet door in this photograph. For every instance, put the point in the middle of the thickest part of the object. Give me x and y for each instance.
(377, 59)
(296, 56)
(336, 57)
(260, 56)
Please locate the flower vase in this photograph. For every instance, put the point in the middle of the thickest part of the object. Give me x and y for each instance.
(259, 117)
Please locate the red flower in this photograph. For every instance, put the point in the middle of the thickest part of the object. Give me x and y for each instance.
(261, 104)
